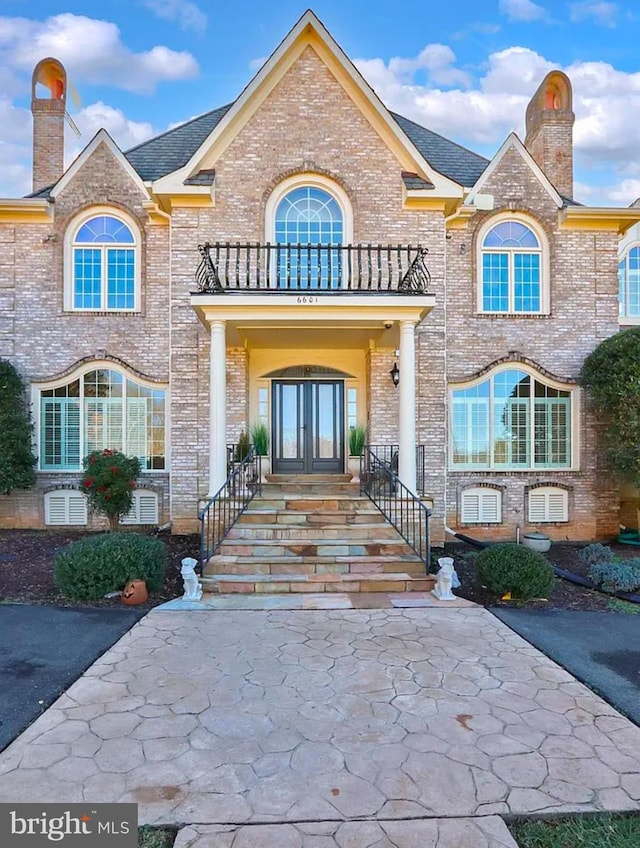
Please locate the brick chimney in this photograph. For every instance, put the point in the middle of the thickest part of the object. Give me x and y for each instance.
(549, 136)
(48, 122)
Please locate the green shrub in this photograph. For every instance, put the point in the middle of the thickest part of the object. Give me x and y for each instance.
(619, 576)
(596, 553)
(260, 438)
(357, 440)
(516, 569)
(17, 461)
(109, 480)
(89, 568)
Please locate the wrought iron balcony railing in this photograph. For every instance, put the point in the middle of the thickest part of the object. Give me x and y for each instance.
(360, 268)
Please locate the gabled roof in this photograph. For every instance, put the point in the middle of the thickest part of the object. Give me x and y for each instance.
(173, 149)
(512, 142)
(167, 152)
(461, 165)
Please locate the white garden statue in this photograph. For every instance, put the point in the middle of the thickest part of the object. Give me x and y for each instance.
(192, 586)
(446, 579)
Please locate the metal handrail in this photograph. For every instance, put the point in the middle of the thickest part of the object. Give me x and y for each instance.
(331, 268)
(220, 512)
(400, 506)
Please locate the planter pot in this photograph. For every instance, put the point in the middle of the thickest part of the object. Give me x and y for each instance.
(265, 468)
(135, 592)
(539, 542)
(353, 467)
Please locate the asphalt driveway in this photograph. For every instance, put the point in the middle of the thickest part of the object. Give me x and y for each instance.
(43, 650)
(602, 649)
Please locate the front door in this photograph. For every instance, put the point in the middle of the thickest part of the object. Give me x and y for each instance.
(308, 426)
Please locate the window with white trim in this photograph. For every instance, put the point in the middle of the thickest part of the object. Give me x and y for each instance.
(511, 270)
(65, 507)
(102, 408)
(547, 504)
(481, 505)
(629, 283)
(512, 420)
(103, 264)
(144, 508)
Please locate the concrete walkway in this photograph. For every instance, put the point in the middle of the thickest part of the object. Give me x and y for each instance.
(276, 723)
(46, 648)
(601, 648)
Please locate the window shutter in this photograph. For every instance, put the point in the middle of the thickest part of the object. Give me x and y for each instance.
(103, 424)
(148, 508)
(65, 508)
(481, 506)
(144, 508)
(548, 504)
(137, 429)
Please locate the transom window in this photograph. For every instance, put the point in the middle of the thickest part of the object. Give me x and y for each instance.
(629, 284)
(103, 260)
(102, 409)
(308, 216)
(511, 277)
(511, 420)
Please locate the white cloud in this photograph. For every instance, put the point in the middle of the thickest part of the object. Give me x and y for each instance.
(522, 10)
(480, 115)
(92, 51)
(601, 13)
(186, 14)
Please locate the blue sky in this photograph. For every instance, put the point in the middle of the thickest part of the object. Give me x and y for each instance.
(465, 69)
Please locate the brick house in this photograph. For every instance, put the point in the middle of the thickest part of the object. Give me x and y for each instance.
(120, 347)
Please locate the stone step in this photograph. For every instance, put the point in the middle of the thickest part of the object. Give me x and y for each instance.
(304, 488)
(269, 548)
(221, 564)
(312, 503)
(310, 519)
(285, 583)
(347, 533)
(308, 478)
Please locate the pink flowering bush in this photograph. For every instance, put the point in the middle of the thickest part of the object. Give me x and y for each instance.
(109, 480)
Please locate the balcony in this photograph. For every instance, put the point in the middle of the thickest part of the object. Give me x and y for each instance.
(360, 269)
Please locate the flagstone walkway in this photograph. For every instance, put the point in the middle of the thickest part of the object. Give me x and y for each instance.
(314, 719)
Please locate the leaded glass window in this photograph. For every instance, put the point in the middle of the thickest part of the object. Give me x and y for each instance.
(511, 421)
(104, 266)
(511, 269)
(102, 409)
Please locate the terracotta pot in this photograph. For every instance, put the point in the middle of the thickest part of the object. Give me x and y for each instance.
(135, 592)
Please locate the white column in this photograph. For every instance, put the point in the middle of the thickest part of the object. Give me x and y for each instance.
(407, 414)
(217, 407)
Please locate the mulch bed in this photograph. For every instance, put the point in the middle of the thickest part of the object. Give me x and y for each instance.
(564, 595)
(27, 559)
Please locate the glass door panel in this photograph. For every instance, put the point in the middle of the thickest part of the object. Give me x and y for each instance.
(308, 427)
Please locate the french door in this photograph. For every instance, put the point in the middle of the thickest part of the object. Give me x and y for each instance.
(308, 426)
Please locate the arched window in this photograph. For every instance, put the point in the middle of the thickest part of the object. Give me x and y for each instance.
(101, 408)
(307, 216)
(512, 420)
(629, 283)
(511, 270)
(103, 265)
